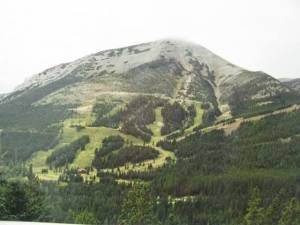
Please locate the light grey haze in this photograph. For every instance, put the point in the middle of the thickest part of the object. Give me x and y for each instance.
(255, 34)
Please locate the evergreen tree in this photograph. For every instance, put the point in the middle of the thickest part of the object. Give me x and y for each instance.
(255, 212)
(85, 218)
(3, 203)
(273, 211)
(138, 207)
(291, 213)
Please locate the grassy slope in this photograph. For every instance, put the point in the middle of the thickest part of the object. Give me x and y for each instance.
(97, 134)
(228, 128)
(84, 158)
(163, 154)
(156, 163)
(198, 118)
(157, 125)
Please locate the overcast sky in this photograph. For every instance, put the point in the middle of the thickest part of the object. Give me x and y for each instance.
(255, 34)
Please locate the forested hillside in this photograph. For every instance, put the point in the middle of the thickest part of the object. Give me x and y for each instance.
(158, 133)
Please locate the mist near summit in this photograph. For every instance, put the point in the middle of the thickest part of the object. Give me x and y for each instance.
(257, 35)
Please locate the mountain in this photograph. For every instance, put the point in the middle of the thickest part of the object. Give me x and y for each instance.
(284, 79)
(293, 84)
(171, 68)
(165, 130)
(99, 86)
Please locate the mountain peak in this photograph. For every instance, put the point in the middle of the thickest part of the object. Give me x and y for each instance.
(123, 59)
(169, 67)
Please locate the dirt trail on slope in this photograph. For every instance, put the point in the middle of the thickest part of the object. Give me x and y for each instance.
(231, 127)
